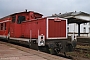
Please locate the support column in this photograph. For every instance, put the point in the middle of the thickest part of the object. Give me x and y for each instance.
(78, 29)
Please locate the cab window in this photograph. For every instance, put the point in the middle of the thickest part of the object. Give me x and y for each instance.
(4, 26)
(20, 19)
(1, 26)
(13, 19)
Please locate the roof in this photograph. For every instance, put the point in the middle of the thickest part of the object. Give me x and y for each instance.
(26, 12)
(5, 17)
(71, 14)
(20, 13)
(75, 17)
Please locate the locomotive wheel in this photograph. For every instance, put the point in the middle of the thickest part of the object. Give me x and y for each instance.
(52, 51)
(29, 44)
(7, 39)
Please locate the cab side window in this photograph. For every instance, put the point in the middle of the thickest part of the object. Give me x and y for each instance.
(1, 26)
(20, 19)
(4, 26)
(13, 19)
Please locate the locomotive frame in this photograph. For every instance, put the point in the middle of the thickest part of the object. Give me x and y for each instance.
(53, 42)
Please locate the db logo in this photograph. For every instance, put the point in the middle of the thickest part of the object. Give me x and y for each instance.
(57, 19)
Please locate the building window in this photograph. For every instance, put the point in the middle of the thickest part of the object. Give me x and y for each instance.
(89, 29)
(85, 23)
(89, 23)
(84, 29)
(68, 29)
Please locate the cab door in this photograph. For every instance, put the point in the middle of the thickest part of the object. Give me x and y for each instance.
(12, 26)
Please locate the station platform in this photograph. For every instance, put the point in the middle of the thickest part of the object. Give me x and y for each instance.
(14, 52)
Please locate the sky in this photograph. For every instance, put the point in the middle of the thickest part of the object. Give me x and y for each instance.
(45, 7)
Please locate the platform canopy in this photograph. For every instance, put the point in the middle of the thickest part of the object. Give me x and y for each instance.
(75, 17)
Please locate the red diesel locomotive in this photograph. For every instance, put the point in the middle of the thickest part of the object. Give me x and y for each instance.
(47, 34)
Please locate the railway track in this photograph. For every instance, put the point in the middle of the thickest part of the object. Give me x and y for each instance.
(82, 50)
(83, 44)
(83, 41)
(38, 53)
(80, 54)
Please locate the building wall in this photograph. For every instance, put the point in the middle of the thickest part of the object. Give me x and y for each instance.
(84, 28)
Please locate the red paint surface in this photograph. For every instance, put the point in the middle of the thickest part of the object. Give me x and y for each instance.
(5, 32)
(56, 28)
(33, 24)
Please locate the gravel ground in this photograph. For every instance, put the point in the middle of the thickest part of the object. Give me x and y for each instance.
(80, 54)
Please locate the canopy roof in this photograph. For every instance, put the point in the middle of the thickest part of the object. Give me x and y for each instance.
(75, 17)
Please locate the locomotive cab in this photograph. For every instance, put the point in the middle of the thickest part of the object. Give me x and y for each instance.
(15, 27)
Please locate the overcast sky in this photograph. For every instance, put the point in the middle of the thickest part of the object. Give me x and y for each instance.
(45, 7)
